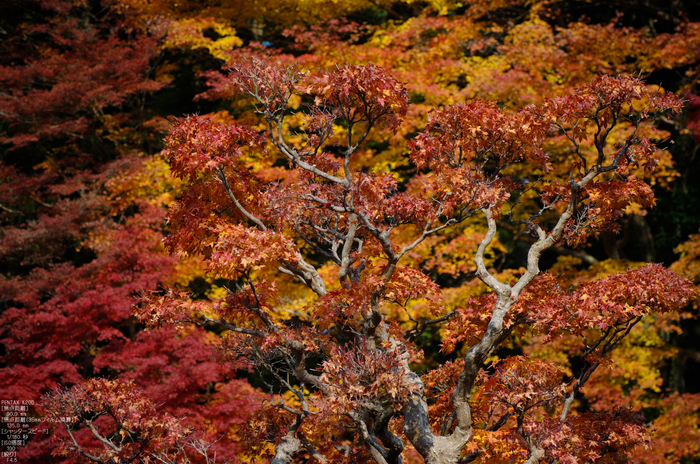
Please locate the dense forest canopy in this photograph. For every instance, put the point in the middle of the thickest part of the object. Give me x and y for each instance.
(353, 231)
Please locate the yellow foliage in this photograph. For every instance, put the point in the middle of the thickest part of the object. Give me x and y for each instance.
(189, 34)
(688, 265)
(149, 180)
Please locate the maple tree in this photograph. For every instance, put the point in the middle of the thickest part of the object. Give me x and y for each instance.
(341, 233)
(518, 56)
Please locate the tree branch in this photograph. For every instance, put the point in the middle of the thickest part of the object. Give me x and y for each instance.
(224, 181)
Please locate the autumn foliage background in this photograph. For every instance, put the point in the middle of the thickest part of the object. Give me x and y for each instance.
(90, 200)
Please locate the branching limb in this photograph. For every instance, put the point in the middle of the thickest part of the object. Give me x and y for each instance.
(536, 453)
(345, 254)
(607, 342)
(378, 452)
(80, 449)
(305, 272)
(382, 235)
(311, 449)
(601, 135)
(425, 234)
(224, 181)
(275, 130)
(233, 328)
(257, 308)
(102, 439)
(300, 370)
(352, 148)
(475, 358)
(423, 324)
(481, 271)
(548, 241)
(393, 444)
(323, 203)
(332, 255)
(290, 446)
(272, 106)
(577, 147)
